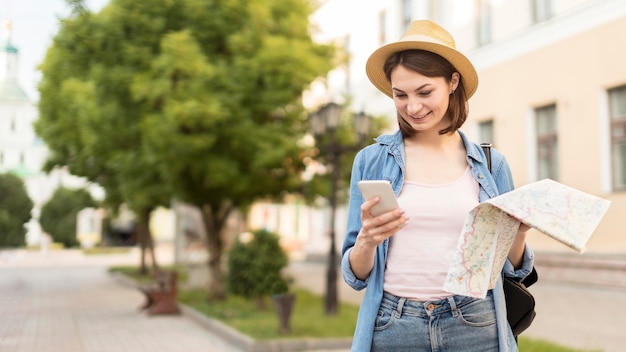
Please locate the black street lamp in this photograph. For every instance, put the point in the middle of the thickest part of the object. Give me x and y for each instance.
(324, 123)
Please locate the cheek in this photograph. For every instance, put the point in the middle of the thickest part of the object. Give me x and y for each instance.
(443, 102)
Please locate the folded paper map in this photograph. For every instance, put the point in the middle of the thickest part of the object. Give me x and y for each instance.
(566, 214)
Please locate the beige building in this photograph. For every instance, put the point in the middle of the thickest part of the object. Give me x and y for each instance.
(552, 97)
(552, 91)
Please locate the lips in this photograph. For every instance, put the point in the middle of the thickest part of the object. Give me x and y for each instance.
(419, 117)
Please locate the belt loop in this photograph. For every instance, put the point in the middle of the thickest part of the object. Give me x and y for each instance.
(400, 306)
(453, 308)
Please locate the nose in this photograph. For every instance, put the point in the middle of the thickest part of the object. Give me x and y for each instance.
(413, 106)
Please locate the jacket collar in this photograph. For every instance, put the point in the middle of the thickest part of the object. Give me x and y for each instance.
(394, 141)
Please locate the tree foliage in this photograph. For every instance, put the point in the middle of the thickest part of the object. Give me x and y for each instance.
(15, 208)
(195, 99)
(58, 216)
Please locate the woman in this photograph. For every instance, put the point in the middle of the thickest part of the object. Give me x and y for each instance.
(402, 257)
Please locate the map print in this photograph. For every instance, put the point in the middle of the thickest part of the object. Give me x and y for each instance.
(566, 214)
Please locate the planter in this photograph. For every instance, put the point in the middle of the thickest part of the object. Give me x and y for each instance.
(283, 304)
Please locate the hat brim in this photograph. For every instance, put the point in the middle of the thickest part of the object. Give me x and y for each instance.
(375, 63)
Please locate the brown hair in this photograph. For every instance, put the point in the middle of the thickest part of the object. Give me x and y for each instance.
(431, 65)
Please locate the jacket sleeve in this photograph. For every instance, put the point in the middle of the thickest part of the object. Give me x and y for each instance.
(353, 224)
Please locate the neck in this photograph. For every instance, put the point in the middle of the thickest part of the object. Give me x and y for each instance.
(434, 140)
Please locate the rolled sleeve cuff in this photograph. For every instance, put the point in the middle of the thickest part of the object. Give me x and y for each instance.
(348, 274)
(528, 261)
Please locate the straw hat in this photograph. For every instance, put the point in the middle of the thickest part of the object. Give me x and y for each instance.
(424, 35)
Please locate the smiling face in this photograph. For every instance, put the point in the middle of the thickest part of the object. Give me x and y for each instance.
(422, 83)
(422, 101)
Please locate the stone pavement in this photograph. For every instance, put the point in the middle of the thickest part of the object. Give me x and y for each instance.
(67, 302)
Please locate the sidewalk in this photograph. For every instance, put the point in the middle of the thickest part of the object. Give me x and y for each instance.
(67, 302)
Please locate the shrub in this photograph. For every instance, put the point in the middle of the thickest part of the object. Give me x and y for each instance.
(15, 208)
(255, 265)
(58, 215)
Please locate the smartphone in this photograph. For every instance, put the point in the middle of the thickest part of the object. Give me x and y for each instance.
(382, 189)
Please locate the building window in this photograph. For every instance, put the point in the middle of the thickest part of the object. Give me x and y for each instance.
(485, 131)
(547, 143)
(12, 127)
(542, 10)
(483, 23)
(617, 111)
(407, 14)
(382, 27)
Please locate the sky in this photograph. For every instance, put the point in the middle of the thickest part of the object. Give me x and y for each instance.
(34, 23)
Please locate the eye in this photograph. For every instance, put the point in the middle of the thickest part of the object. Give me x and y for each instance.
(399, 95)
(425, 93)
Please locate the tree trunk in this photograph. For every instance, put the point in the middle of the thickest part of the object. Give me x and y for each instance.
(143, 270)
(145, 240)
(214, 223)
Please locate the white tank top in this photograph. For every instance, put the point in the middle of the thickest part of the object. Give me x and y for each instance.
(420, 253)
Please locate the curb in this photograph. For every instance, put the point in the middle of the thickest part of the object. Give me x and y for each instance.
(581, 261)
(603, 271)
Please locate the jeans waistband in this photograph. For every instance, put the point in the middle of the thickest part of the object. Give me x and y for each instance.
(403, 305)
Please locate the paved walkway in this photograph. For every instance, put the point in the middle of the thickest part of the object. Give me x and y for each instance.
(67, 302)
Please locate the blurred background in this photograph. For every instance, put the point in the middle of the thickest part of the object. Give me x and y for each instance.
(551, 97)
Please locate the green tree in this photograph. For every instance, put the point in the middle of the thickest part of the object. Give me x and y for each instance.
(58, 215)
(88, 118)
(196, 99)
(15, 208)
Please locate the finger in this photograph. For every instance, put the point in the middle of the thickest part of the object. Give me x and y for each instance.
(386, 224)
(367, 206)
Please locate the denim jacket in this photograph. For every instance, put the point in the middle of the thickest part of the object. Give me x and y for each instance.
(385, 160)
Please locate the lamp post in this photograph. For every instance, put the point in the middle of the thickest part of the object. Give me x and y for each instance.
(324, 122)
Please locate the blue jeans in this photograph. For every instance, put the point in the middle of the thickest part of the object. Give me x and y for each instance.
(456, 323)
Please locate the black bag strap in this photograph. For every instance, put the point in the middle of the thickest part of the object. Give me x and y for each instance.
(487, 150)
(533, 276)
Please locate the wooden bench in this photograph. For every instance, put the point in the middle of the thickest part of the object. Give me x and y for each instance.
(161, 296)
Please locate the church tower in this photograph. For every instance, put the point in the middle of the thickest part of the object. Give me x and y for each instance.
(21, 151)
(8, 56)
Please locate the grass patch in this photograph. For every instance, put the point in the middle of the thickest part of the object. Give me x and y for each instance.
(106, 250)
(307, 320)
(52, 246)
(538, 345)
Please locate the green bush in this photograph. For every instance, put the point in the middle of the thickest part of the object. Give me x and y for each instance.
(255, 265)
(15, 208)
(58, 215)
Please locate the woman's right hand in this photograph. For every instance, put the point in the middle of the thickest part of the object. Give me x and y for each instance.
(374, 231)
